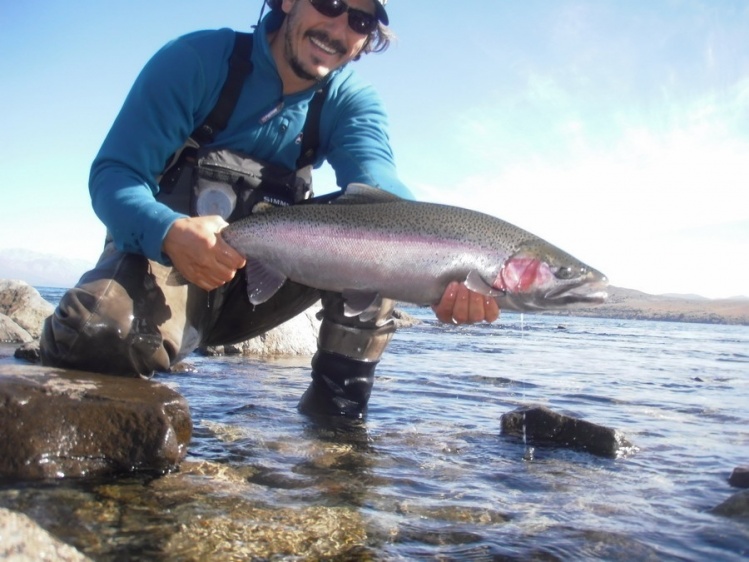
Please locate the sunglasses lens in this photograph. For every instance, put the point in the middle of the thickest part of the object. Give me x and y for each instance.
(329, 8)
(361, 22)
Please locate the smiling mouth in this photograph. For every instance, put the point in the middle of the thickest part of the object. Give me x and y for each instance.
(325, 46)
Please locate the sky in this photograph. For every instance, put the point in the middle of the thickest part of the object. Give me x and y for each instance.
(616, 130)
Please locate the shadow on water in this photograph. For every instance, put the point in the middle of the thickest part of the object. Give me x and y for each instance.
(428, 475)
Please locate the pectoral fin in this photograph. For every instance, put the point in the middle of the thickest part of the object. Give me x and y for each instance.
(262, 281)
(476, 283)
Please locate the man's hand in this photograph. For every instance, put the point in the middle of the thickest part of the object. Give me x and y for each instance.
(200, 254)
(459, 305)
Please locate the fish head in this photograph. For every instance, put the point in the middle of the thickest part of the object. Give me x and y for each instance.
(539, 276)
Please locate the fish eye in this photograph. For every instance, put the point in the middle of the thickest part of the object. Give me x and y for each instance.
(567, 272)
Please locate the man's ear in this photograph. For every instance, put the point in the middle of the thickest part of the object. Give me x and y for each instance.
(286, 6)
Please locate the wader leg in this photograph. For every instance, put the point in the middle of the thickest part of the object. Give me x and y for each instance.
(124, 318)
(343, 368)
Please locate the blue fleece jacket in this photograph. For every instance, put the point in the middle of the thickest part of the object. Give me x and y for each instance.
(174, 93)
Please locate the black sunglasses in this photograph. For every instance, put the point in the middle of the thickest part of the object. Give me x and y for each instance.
(361, 22)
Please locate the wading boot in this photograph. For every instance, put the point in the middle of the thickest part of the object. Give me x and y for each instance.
(343, 369)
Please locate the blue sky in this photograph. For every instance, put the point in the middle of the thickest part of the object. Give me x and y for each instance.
(617, 130)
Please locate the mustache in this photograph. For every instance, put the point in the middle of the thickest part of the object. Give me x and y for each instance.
(323, 37)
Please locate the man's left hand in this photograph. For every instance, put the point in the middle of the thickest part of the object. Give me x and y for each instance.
(459, 305)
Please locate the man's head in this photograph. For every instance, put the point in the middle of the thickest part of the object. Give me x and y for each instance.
(319, 36)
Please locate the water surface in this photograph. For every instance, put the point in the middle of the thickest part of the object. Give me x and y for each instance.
(432, 478)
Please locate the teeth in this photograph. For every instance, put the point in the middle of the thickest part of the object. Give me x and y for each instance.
(327, 48)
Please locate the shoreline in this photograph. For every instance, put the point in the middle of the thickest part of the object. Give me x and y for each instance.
(629, 304)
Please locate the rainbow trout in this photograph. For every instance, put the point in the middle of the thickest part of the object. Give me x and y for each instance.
(368, 244)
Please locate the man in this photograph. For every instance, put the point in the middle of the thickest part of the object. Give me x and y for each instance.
(125, 317)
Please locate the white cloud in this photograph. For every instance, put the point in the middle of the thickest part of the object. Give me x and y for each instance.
(624, 206)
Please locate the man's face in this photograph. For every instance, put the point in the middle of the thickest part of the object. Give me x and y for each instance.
(314, 44)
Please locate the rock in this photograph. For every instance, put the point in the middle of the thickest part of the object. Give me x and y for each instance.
(23, 540)
(739, 477)
(29, 351)
(23, 304)
(735, 506)
(297, 336)
(10, 332)
(206, 511)
(541, 425)
(404, 319)
(64, 423)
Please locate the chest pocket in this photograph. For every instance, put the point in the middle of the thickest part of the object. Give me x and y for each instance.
(203, 181)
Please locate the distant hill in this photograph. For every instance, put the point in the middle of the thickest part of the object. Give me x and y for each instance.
(636, 305)
(41, 270)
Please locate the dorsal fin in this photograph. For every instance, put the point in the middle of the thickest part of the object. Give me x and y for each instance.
(363, 194)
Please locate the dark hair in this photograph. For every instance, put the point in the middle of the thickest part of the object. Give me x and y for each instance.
(377, 42)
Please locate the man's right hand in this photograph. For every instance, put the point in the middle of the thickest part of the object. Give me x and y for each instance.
(199, 252)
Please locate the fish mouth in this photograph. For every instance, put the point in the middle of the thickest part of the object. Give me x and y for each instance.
(582, 292)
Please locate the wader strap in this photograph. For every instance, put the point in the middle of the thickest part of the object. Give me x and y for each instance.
(240, 67)
(311, 131)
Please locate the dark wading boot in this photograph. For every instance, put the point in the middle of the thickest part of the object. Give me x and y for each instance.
(343, 368)
(340, 386)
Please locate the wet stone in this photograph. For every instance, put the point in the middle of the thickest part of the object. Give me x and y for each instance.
(739, 477)
(63, 423)
(23, 539)
(540, 425)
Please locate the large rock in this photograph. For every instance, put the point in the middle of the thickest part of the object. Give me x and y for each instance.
(538, 424)
(10, 332)
(297, 336)
(23, 541)
(23, 304)
(60, 423)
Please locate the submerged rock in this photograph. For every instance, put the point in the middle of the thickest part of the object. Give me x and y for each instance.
(64, 423)
(735, 506)
(205, 511)
(739, 477)
(539, 424)
(23, 539)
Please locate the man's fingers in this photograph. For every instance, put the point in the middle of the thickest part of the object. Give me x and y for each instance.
(444, 309)
(459, 305)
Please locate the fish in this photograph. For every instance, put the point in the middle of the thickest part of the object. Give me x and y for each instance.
(369, 244)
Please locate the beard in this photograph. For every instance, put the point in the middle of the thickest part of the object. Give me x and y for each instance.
(290, 55)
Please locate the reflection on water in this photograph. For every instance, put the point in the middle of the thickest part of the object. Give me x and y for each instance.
(428, 476)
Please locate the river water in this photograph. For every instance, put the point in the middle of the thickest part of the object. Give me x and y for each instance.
(433, 478)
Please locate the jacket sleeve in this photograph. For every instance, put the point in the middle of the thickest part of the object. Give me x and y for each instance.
(156, 118)
(359, 148)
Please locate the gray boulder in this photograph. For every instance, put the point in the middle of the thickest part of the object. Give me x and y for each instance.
(24, 540)
(23, 304)
(296, 337)
(10, 332)
(61, 423)
(539, 424)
